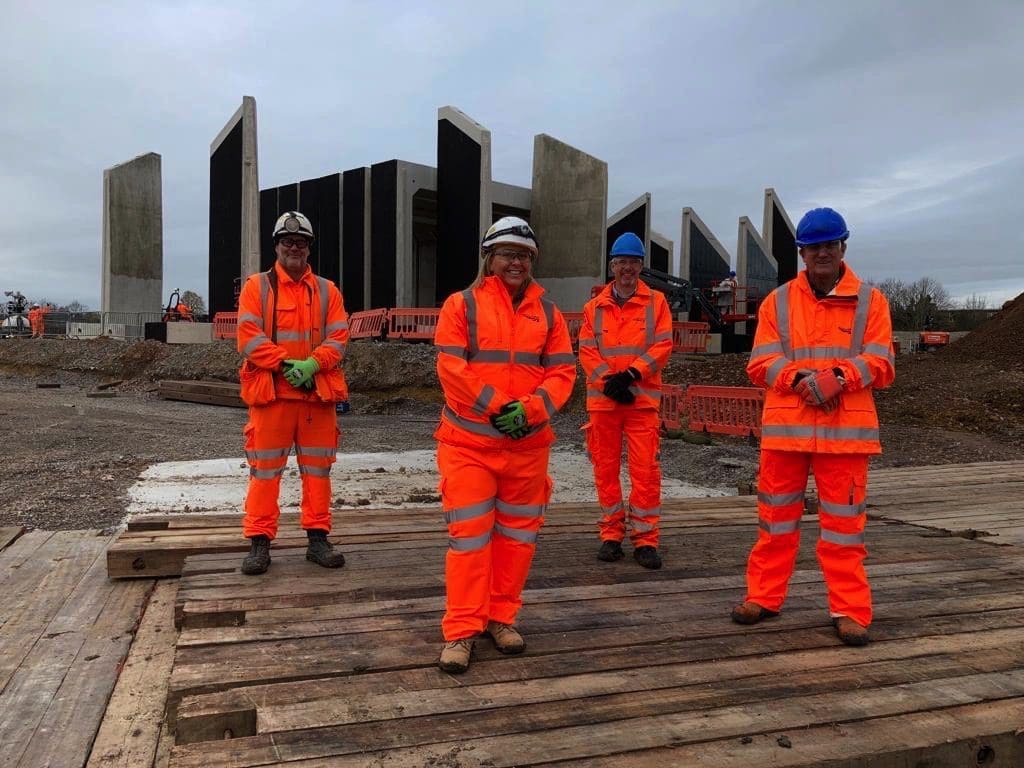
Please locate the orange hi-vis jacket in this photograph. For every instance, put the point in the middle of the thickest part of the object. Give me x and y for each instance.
(281, 319)
(490, 354)
(849, 329)
(636, 335)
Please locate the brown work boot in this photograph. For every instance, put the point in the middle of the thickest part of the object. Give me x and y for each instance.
(751, 613)
(506, 638)
(455, 655)
(849, 631)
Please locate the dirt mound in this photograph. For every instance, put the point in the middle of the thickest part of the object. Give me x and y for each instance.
(999, 341)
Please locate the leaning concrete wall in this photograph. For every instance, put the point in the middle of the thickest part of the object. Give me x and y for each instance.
(780, 235)
(568, 206)
(635, 218)
(661, 253)
(133, 249)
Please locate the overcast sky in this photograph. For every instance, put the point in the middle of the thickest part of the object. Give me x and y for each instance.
(908, 117)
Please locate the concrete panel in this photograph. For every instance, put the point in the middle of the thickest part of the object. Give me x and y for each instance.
(661, 252)
(320, 200)
(268, 217)
(355, 238)
(635, 218)
(383, 234)
(234, 206)
(189, 333)
(568, 207)
(463, 196)
(132, 273)
(412, 262)
(779, 233)
(702, 257)
(756, 269)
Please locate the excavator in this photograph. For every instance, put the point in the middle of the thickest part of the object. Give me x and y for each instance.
(176, 311)
(681, 295)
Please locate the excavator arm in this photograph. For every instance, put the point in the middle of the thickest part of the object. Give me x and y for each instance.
(680, 294)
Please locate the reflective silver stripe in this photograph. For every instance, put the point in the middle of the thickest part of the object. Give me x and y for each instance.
(489, 356)
(461, 514)
(598, 324)
(469, 543)
(842, 510)
(782, 430)
(820, 353)
(766, 349)
(256, 341)
(780, 499)
(471, 329)
(265, 474)
(519, 510)
(652, 392)
(782, 317)
(775, 529)
(649, 328)
(526, 358)
(651, 362)
(559, 358)
(248, 317)
(265, 293)
(876, 349)
(267, 453)
(842, 539)
(860, 319)
(480, 428)
(460, 352)
(664, 336)
(640, 526)
(602, 369)
(337, 345)
(316, 471)
(862, 367)
(588, 342)
(526, 537)
(847, 433)
(612, 509)
(325, 295)
(322, 452)
(549, 312)
(549, 406)
(336, 327)
(624, 350)
(293, 336)
(484, 399)
(773, 371)
(645, 512)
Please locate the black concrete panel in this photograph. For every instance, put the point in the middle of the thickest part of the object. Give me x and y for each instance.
(329, 233)
(660, 257)
(288, 198)
(499, 211)
(458, 207)
(706, 264)
(354, 236)
(309, 204)
(635, 222)
(225, 257)
(761, 276)
(784, 247)
(383, 229)
(268, 217)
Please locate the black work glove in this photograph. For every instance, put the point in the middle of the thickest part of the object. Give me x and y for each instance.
(616, 386)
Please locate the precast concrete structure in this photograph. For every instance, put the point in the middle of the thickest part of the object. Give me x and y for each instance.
(634, 217)
(756, 269)
(661, 253)
(780, 236)
(318, 199)
(133, 252)
(234, 207)
(703, 259)
(569, 205)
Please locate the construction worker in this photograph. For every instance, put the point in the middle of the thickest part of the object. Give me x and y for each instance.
(506, 366)
(823, 343)
(625, 341)
(292, 330)
(724, 292)
(184, 312)
(35, 317)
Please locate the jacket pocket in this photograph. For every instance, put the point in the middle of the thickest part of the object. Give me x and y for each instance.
(256, 384)
(331, 386)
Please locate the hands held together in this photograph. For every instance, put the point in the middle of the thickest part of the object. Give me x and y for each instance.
(819, 388)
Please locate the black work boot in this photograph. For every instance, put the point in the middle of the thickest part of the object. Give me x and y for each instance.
(648, 557)
(321, 551)
(258, 559)
(610, 551)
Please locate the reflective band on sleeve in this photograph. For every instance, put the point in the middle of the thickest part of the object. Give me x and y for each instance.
(336, 327)
(780, 499)
(525, 537)
(315, 471)
(766, 349)
(266, 474)
(652, 392)
(257, 341)
(651, 362)
(600, 371)
(862, 367)
(549, 407)
(876, 349)
(520, 510)
(322, 452)
(842, 510)
(774, 370)
(842, 539)
(469, 543)
(483, 399)
(248, 317)
(336, 345)
(460, 352)
(461, 514)
(776, 529)
(665, 336)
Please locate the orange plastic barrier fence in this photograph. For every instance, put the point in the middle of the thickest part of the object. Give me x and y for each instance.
(416, 323)
(689, 337)
(575, 321)
(225, 325)
(367, 324)
(673, 401)
(726, 410)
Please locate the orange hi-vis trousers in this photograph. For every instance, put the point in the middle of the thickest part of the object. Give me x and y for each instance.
(312, 427)
(604, 444)
(494, 502)
(842, 491)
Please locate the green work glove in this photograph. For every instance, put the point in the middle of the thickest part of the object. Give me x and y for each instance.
(511, 420)
(299, 372)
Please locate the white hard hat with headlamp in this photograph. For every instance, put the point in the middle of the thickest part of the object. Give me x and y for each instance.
(293, 223)
(511, 230)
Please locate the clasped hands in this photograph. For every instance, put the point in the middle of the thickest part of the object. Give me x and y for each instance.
(511, 420)
(299, 373)
(616, 386)
(819, 388)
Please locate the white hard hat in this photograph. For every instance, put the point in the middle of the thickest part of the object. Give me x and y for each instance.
(510, 229)
(292, 223)
(35, 306)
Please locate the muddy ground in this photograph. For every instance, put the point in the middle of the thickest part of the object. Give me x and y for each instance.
(69, 458)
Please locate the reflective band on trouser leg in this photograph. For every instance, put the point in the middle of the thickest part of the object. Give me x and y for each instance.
(268, 439)
(842, 492)
(523, 492)
(468, 489)
(316, 447)
(782, 480)
(642, 442)
(604, 442)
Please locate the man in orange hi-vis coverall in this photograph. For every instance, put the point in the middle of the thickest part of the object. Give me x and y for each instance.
(823, 343)
(506, 366)
(292, 330)
(625, 341)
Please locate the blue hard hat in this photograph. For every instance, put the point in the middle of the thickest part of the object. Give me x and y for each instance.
(732, 273)
(627, 244)
(821, 225)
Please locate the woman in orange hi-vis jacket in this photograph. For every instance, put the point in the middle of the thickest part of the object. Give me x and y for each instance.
(625, 341)
(506, 366)
(292, 330)
(823, 343)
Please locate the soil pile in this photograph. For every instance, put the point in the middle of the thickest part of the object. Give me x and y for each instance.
(999, 341)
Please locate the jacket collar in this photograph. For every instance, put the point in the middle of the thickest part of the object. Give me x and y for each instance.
(606, 296)
(847, 286)
(284, 278)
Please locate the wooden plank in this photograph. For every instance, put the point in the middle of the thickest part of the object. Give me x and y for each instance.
(8, 535)
(129, 734)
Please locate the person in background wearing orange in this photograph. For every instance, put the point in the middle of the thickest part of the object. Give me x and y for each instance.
(35, 321)
(506, 366)
(625, 342)
(823, 344)
(184, 313)
(292, 331)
